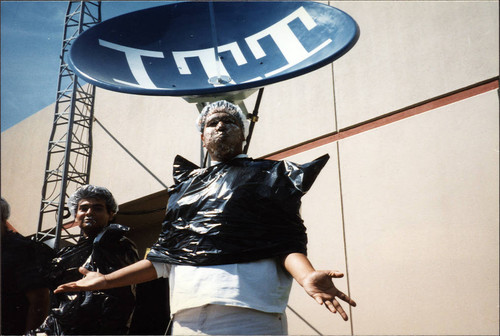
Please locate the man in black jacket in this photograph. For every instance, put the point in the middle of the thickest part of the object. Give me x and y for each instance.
(25, 293)
(103, 248)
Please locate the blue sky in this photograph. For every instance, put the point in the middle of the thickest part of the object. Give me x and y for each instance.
(31, 39)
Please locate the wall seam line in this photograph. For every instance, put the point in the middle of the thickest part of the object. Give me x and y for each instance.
(341, 196)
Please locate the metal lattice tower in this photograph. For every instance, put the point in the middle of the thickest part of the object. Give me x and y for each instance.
(70, 145)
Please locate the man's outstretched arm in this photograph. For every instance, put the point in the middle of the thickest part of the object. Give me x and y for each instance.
(318, 284)
(141, 271)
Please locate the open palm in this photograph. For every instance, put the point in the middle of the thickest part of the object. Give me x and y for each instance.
(319, 285)
(91, 281)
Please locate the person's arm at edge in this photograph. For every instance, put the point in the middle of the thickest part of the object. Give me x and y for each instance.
(139, 272)
(318, 284)
(38, 309)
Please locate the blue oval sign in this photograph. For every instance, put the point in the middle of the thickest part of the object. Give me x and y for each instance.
(191, 48)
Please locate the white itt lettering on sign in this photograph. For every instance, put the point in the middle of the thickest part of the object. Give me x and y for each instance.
(280, 32)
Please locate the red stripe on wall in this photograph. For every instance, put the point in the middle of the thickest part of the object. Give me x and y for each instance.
(431, 104)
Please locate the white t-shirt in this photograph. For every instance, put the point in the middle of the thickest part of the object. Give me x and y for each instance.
(262, 285)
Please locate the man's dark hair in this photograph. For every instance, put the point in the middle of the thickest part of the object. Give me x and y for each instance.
(91, 191)
(4, 209)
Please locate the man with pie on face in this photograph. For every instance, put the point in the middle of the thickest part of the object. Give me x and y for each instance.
(232, 240)
(102, 248)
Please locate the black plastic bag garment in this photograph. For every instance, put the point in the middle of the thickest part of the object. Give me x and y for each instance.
(92, 312)
(238, 211)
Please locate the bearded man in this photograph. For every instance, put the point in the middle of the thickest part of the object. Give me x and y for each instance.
(232, 239)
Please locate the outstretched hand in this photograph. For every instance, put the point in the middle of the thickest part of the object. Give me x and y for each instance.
(319, 285)
(90, 281)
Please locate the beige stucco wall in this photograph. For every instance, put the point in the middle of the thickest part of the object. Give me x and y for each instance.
(408, 211)
(410, 51)
(24, 155)
(420, 204)
(421, 217)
